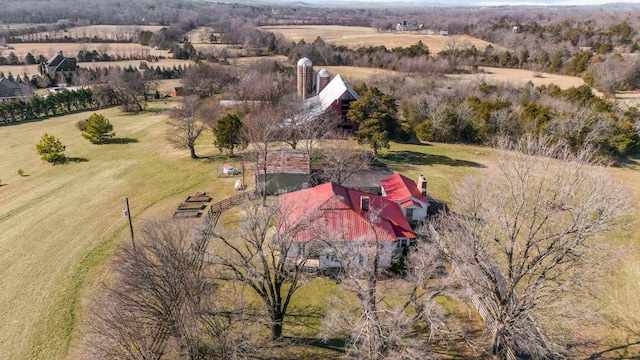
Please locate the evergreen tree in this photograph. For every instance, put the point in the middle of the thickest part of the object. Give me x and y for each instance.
(51, 149)
(98, 129)
(227, 132)
(376, 113)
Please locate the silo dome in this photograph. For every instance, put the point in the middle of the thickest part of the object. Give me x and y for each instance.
(305, 77)
(304, 62)
(322, 80)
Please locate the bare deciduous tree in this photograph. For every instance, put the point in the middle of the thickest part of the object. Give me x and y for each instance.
(392, 318)
(157, 294)
(264, 256)
(341, 159)
(163, 301)
(261, 129)
(189, 121)
(522, 237)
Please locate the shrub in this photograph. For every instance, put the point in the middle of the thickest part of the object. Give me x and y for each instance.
(98, 129)
(20, 172)
(51, 149)
(81, 125)
(425, 132)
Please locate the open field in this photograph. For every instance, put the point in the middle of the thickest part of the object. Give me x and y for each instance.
(59, 222)
(357, 36)
(520, 76)
(71, 49)
(108, 32)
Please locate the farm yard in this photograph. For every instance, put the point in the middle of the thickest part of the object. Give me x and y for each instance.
(58, 270)
(62, 226)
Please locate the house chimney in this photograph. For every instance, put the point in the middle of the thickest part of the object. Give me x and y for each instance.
(364, 203)
(422, 185)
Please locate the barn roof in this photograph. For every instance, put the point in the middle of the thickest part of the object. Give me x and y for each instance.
(287, 161)
(400, 188)
(336, 89)
(334, 208)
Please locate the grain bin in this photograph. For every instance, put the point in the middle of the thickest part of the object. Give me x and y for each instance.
(305, 77)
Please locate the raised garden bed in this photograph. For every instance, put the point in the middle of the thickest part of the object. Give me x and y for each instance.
(183, 214)
(191, 206)
(198, 198)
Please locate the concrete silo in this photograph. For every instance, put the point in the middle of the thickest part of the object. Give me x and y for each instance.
(322, 80)
(305, 77)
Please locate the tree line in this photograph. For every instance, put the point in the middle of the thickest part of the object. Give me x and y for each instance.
(54, 104)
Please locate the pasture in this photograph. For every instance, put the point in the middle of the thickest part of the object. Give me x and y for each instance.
(356, 36)
(57, 223)
(106, 32)
(72, 49)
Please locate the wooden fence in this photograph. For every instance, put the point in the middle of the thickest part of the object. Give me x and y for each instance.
(216, 209)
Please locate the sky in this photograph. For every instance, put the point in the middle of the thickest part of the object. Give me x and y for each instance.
(490, 2)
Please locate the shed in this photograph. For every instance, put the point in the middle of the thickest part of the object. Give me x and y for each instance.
(177, 91)
(285, 170)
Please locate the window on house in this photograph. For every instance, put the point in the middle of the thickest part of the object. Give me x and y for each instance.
(410, 214)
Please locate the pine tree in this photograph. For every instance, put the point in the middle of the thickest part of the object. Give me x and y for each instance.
(227, 132)
(51, 149)
(98, 129)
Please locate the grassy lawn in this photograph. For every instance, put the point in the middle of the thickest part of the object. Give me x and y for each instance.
(58, 224)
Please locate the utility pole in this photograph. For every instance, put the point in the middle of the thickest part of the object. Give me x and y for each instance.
(127, 213)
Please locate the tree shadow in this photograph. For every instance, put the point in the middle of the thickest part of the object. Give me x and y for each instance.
(418, 158)
(125, 140)
(630, 350)
(76, 160)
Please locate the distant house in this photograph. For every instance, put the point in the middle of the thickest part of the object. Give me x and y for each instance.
(335, 97)
(10, 90)
(411, 197)
(444, 32)
(338, 221)
(59, 63)
(286, 170)
(177, 91)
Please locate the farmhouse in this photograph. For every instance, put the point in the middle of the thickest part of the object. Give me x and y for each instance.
(10, 90)
(346, 225)
(59, 63)
(283, 171)
(411, 198)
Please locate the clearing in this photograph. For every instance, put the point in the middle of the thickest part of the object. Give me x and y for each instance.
(358, 36)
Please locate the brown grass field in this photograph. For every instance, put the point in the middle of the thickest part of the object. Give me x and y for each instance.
(355, 37)
(71, 49)
(109, 32)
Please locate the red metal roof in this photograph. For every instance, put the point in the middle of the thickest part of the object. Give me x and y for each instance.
(400, 188)
(335, 210)
(411, 202)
